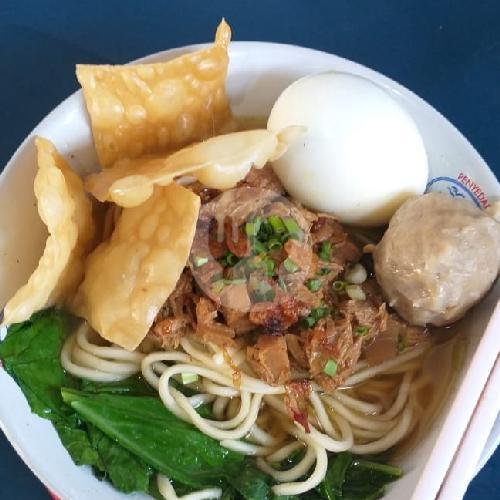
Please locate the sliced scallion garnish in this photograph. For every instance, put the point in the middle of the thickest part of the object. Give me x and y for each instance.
(314, 285)
(199, 260)
(290, 265)
(325, 251)
(355, 292)
(274, 244)
(189, 378)
(269, 265)
(277, 224)
(258, 247)
(330, 368)
(361, 330)
(338, 286)
(291, 226)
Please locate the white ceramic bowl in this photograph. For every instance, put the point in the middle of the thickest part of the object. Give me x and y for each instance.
(258, 73)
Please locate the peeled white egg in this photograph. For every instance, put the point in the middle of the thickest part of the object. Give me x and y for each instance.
(362, 154)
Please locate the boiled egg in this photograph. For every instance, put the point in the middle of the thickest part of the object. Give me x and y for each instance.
(362, 155)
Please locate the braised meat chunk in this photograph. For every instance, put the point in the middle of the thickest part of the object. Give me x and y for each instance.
(269, 359)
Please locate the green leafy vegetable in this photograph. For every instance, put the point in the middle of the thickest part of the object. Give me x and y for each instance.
(75, 438)
(134, 386)
(123, 430)
(250, 482)
(124, 469)
(352, 479)
(30, 354)
(331, 487)
(146, 428)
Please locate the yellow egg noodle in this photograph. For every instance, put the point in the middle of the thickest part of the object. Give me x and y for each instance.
(359, 416)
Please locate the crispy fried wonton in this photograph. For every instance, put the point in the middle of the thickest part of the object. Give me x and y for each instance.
(64, 208)
(219, 163)
(128, 277)
(154, 108)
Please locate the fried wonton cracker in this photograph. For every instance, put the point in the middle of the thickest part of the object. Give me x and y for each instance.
(154, 108)
(129, 277)
(67, 212)
(219, 163)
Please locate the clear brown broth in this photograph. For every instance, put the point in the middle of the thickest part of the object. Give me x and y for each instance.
(439, 367)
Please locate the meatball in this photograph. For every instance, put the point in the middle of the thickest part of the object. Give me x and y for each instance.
(439, 256)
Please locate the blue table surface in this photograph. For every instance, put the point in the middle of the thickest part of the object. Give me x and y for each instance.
(448, 52)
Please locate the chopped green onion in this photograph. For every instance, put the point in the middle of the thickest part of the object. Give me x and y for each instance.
(325, 251)
(269, 265)
(282, 284)
(308, 321)
(252, 228)
(258, 247)
(330, 368)
(235, 281)
(277, 224)
(355, 292)
(361, 330)
(319, 312)
(338, 286)
(291, 226)
(314, 317)
(290, 265)
(401, 343)
(314, 285)
(228, 260)
(189, 378)
(218, 285)
(274, 244)
(231, 259)
(323, 271)
(199, 261)
(265, 231)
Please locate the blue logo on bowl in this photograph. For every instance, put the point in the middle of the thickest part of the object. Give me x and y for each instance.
(462, 187)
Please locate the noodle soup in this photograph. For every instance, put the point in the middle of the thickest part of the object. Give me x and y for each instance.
(289, 427)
